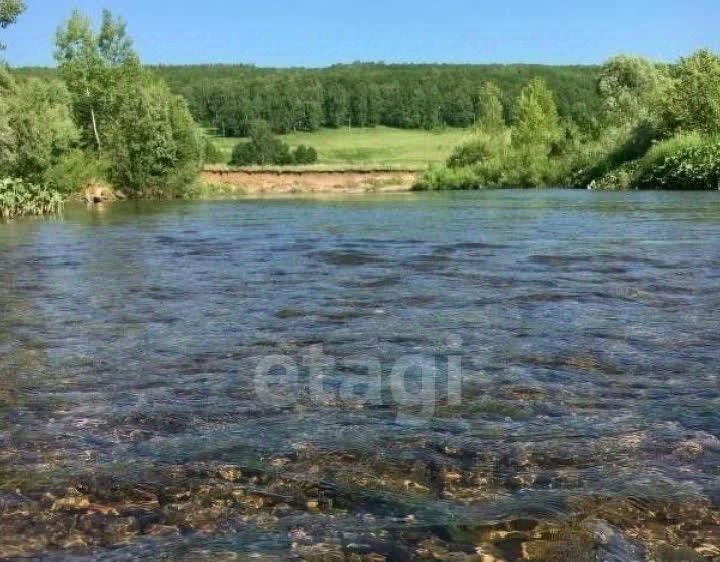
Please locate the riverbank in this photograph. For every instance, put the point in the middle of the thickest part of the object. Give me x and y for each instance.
(351, 180)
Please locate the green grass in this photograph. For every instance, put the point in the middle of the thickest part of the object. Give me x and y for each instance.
(380, 147)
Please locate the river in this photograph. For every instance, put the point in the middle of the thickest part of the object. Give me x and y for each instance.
(497, 375)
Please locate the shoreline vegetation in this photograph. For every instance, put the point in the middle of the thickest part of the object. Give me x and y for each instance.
(102, 123)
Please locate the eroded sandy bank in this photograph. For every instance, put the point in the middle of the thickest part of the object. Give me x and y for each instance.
(310, 181)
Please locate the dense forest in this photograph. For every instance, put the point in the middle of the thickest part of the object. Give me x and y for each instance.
(230, 98)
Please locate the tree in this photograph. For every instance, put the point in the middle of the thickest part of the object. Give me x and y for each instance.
(360, 105)
(536, 117)
(36, 128)
(490, 113)
(336, 106)
(154, 146)
(96, 68)
(7, 135)
(263, 148)
(693, 103)
(211, 153)
(304, 155)
(133, 121)
(631, 88)
(312, 106)
(457, 101)
(9, 12)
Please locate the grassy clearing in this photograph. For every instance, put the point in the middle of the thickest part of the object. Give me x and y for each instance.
(379, 147)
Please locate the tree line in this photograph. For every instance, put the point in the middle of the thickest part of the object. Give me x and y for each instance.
(231, 98)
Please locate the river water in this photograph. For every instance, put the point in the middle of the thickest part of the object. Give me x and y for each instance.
(493, 376)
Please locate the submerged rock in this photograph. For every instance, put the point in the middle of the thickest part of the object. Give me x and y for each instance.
(71, 503)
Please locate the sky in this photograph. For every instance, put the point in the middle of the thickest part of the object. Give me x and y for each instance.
(316, 33)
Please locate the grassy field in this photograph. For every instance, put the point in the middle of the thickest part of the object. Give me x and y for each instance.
(376, 147)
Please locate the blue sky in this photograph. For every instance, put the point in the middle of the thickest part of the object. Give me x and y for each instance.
(322, 32)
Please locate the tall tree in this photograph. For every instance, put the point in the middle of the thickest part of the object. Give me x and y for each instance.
(95, 67)
(154, 145)
(631, 88)
(36, 127)
(694, 99)
(536, 117)
(336, 106)
(490, 113)
(145, 133)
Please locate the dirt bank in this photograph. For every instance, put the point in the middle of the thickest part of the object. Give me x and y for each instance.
(311, 181)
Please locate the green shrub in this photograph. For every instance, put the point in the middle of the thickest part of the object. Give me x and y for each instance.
(154, 148)
(76, 170)
(211, 153)
(673, 162)
(18, 198)
(693, 101)
(244, 154)
(620, 178)
(263, 148)
(252, 154)
(305, 155)
(36, 128)
(661, 151)
(444, 178)
(477, 150)
(683, 163)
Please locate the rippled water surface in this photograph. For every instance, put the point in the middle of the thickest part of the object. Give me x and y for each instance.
(587, 325)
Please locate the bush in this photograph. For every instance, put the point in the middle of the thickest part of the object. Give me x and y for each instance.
(75, 170)
(492, 160)
(599, 155)
(470, 153)
(693, 102)
(18, 197)
(244, 154)
(648, 171)
(153, 147)
(263, 148)
(444, 178)
(36, 128)
(659, 152)
(211, 153)
(305, 155)
(686, 163)
(621, 178)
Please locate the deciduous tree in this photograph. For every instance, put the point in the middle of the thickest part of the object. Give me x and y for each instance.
(631, 88)
(97, 69)
(155, 148)
(693, 103)
(9, 12)
(36, 128)
(536, 117)
(490, 113)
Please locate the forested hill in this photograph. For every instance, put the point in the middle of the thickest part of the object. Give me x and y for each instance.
(230, 97)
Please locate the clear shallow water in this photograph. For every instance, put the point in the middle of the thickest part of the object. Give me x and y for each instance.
(588, 330)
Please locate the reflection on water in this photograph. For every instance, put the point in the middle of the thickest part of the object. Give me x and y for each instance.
(588, 426)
